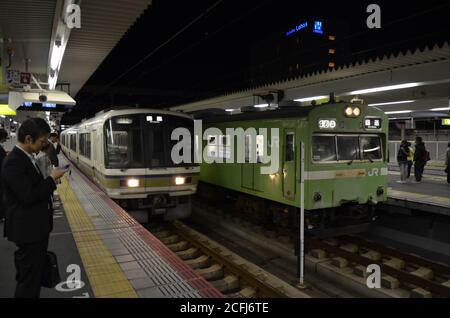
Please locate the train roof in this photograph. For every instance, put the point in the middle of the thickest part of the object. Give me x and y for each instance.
(251, 113)
(123, 111)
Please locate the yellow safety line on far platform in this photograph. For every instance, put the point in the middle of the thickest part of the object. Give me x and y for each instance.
(105, 275)
(418, 197)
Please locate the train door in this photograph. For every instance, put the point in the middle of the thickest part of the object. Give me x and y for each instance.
(155, 147)
(247, 167)
(289, 164)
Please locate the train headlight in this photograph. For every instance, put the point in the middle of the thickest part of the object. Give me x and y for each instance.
(349, 111)
(180, 180)
(352, 111)
(133, 183)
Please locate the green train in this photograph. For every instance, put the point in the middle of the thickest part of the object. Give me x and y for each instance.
(344, 164)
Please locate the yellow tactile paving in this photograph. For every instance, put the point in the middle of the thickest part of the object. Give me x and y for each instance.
(105, 275)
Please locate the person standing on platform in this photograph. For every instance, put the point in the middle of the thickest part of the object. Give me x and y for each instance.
(29, 211)
(421, 156)
(3, 137)
(55, 142)
(402, 159)
(447, 164)
(410, 159)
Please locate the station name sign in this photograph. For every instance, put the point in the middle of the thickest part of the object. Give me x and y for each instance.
(372, 123)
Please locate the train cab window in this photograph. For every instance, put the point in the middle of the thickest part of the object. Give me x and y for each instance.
(370, 147)
(348, 148)
(324, 148)
(158, 154)
(289, 153)
(123, 143)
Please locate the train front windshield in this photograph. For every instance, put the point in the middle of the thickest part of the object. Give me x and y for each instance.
(336, 148)
(143, 140)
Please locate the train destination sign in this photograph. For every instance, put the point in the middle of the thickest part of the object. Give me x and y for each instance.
(372, 123)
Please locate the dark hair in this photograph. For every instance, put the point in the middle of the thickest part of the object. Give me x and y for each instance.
(3, 134)
(419, 139)
(53, 134)
(34, 127)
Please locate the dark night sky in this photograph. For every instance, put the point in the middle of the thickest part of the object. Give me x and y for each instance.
(213, 56)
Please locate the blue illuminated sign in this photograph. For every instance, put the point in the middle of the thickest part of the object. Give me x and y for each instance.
(318, 27)
(27, 104)
(48, 105)
(297, 28)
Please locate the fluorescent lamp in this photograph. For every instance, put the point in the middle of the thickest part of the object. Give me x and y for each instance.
(261, 105)
(52, 82)
(398, 112)
(440, 109)
(308, 99)
(384, 88)
(393, 103)
(56, 58)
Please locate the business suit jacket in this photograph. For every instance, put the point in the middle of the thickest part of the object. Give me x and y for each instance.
(58, 148)
(27, 199)
(52, 155)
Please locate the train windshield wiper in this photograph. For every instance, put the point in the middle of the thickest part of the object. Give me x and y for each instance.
(354, 157)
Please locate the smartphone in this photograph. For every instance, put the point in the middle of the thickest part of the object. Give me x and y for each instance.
(65, 167)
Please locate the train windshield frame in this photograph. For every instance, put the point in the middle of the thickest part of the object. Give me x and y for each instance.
(342, 148)
(143, 140)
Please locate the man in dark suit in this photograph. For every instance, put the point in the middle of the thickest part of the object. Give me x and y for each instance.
(28, 206)
(55, 141)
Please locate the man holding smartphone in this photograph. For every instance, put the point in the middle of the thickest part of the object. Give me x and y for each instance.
(28, 206)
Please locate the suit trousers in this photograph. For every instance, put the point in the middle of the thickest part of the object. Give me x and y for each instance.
(30, 260)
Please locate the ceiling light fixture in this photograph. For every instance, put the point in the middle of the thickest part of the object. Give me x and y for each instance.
(309, 99)
(393, 103)
(399, 112)
(384, 88)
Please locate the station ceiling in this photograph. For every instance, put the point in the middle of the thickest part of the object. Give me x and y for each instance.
(29, 27)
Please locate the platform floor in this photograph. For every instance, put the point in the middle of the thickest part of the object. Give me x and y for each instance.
(117, 256)
(62, 243)
(431, 195)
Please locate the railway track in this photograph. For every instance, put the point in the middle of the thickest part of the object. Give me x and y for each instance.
(229, 273)
(344, 259)
(410, 274)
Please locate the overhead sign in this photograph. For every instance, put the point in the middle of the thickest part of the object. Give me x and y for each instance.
(25, 78)
(446, 122)
(13, 77)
